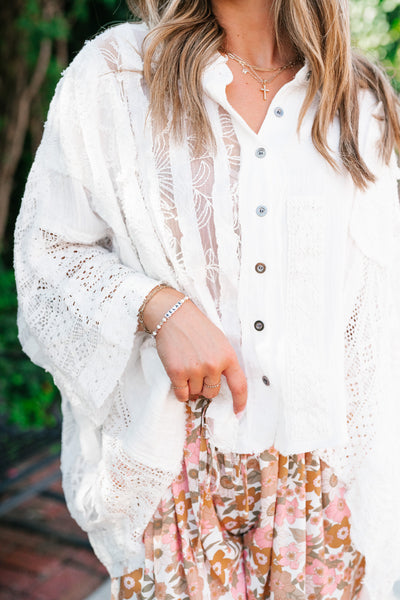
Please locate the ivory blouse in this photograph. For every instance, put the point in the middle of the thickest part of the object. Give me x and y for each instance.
(283, 253)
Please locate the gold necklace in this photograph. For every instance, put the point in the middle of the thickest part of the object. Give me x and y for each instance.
(251, 70)
(254, 67)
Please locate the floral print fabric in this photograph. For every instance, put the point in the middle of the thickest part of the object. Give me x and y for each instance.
(250, 527)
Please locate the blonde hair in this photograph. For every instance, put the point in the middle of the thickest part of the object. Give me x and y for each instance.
(184, 35)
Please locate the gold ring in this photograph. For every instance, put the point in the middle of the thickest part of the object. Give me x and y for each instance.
(212, 386)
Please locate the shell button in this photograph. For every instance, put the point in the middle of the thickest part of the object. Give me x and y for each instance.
(261, 152)
(259, 325)
(279, 112)
(261, 210)
(260, 267)
(266, 380)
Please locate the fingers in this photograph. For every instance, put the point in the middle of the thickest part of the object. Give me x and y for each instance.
(211, 386)
(238, 385)
(181, 390)
(195, 387)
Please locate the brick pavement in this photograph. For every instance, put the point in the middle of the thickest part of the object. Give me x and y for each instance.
(39, 566)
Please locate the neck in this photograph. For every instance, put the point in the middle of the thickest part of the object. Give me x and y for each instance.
(250, 31)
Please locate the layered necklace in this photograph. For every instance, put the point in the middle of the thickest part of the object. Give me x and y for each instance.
(251, 70)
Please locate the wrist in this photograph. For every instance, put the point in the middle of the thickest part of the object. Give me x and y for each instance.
(158, 305)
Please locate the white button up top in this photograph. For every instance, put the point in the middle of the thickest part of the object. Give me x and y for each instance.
(284, 254)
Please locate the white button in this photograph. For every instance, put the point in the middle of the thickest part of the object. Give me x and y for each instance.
(261, 210)
(261, 152)
(279, 112)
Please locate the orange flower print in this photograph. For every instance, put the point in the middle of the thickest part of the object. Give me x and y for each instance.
(131, 584)
(339, 534)
(219, 564)
(181, 506)
(314, 482)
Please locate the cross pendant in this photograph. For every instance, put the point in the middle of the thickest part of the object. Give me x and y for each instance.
(264, 90)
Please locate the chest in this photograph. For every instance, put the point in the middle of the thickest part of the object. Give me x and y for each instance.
(251, 97)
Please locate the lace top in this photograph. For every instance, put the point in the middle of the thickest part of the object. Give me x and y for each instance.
(111, 209)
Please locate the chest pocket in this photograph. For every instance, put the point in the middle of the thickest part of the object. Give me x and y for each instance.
(375, 216)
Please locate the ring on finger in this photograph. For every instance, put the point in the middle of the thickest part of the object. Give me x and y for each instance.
(212, 386)
(178, 387)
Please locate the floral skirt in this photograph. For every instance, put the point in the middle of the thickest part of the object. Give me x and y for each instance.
(244, 527)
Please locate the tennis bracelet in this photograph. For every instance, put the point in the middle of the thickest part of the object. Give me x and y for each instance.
(169, 314)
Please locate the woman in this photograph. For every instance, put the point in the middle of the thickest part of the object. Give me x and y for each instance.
(212, 218)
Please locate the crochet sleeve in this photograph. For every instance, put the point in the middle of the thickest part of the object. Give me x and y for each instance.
(372, 363)
(77, 302)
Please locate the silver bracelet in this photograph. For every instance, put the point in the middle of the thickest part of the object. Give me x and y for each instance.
(169, 314)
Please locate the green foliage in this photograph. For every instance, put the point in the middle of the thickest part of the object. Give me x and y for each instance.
(376, 32)
(28, 396)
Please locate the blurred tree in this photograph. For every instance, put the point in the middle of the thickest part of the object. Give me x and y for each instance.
(39, 38)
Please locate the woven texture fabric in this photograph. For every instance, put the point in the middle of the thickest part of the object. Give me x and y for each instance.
(111, 209)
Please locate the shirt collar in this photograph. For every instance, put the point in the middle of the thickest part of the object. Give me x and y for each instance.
(217, 75)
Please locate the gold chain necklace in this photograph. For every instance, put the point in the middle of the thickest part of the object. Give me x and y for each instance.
(251, 70)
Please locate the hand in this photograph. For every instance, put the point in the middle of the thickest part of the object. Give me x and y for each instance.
(193, 350)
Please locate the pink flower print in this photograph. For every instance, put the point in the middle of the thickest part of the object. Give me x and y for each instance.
(195, 584)
(330, 583)
(289, 511)
(315, 520)
(170, 539)
(269, 480)
(337, 509)
(290, 556)
(263, 537)
(318, 571)
(192, 452)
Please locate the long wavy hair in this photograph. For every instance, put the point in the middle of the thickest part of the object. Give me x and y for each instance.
(184, 35)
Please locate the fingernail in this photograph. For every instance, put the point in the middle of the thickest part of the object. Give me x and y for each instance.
(240, 413)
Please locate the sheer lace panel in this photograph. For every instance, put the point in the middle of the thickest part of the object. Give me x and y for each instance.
(161, 151)
(233, 152)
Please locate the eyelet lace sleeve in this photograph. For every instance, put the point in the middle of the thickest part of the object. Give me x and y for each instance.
(368, 463)
(78, 303)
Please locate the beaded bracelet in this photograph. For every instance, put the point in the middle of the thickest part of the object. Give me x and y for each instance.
(169, 314)
(152, 292)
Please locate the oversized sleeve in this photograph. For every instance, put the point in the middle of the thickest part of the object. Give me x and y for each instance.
(77, 301)
(368, 464)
